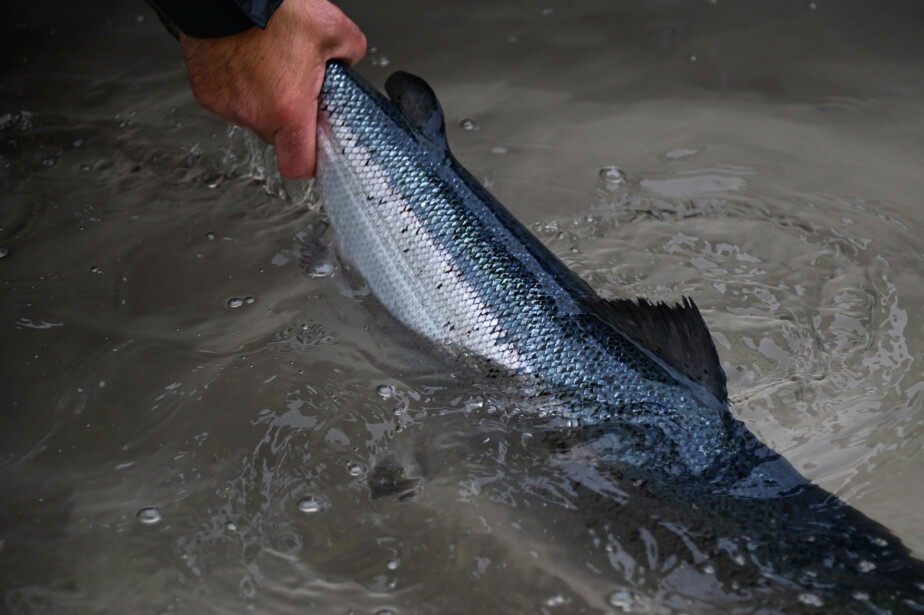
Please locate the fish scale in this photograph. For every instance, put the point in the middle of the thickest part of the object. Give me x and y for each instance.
(447, 260)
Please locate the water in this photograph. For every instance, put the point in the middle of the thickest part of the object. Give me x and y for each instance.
(776, 180)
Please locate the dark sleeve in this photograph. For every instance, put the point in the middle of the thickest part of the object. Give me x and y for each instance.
(213, 18)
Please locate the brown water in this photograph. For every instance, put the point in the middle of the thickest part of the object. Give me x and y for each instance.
(771, 160)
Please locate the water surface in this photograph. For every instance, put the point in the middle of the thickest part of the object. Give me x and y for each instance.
(164, 353)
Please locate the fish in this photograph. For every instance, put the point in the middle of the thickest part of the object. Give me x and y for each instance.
(452, 264)
(637, 383)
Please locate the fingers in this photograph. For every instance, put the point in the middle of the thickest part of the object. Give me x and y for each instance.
(351, 46)
(342, 39)
(295, 148)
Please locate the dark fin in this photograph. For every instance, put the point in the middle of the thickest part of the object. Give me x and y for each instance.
(417, 101)
(676, 334)
(389, 479)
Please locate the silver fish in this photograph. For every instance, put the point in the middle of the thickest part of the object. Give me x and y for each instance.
(446, 259)
(633, 380)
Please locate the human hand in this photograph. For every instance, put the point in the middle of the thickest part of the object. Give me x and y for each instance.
(269, 80)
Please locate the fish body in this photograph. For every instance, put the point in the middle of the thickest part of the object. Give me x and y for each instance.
(637, 385)
(448, 260)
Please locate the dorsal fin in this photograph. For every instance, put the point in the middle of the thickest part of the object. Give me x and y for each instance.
(417, 101)
(676, 334)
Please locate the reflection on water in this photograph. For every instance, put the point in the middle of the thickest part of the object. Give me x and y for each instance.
(192, 422)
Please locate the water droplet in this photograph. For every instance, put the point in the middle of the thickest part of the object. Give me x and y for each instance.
(692, 57)
(545, 12)
(149, 515)
(472, 405)
(810, 599)
(468, 125)
(622, 599)
(557, 600)
(96, 269)
(355, 469)
(386, 391)
(612, 175)
(231, 526)
(235, 302)
(210, 236)
(4, 252)
(812, 6)
(393, 564)
(249, 299)
(708, 568)
(321, 270)
(309, 505)
(681, 152)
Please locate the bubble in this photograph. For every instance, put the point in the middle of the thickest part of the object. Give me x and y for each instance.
(612, 175)
(96, 269)
(499, 150)
(692, 57)
(468, 125)
(810, 599)
(812, 6)
(235, 302)
(309, 505)
(708, 568)
(385, 391)
(386, 612)
(393, 564)
(4, 252)
(149, 515)
(866, 566)
(321, 270)
(622, 599)
(858, 595)
(556, 600)
(231, 526)
(210, 236)
(355, 469)
(249, 299)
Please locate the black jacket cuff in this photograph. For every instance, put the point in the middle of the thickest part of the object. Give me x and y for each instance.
(213, 18)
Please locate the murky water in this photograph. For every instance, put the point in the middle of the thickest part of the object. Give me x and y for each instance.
(192, 424)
